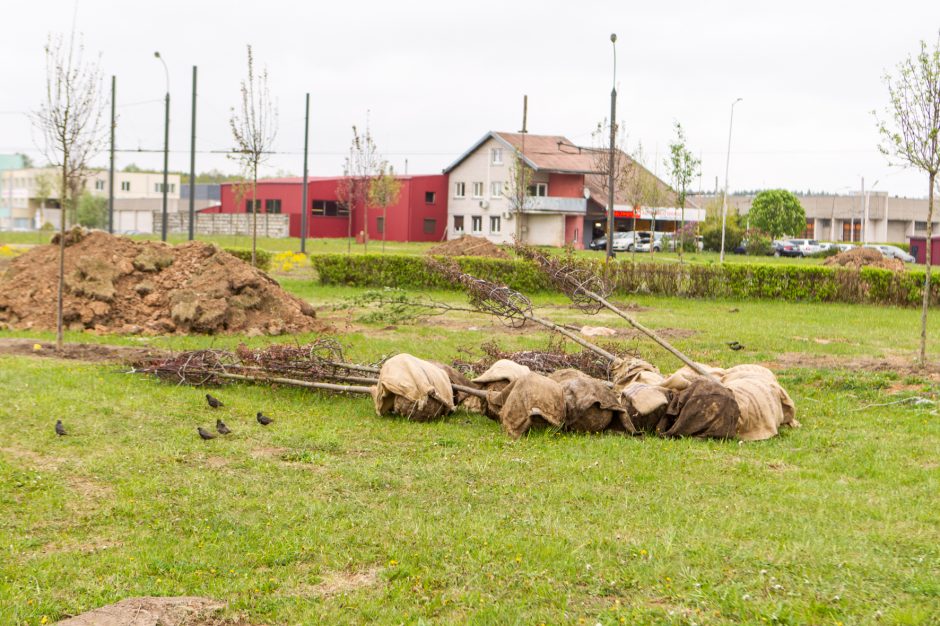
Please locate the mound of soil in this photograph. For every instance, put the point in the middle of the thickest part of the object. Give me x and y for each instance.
(468, 245)
(859, 257)
(116, 285)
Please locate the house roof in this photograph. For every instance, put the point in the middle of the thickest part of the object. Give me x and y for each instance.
(543, 153)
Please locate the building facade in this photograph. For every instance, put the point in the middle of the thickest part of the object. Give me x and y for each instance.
(33, 197)
(420, 214)
(874, 216)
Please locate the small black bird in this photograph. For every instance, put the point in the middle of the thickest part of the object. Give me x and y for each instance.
(213, 402)
(222, 428)
(59, 428)
(734, 345)
(205, 434)
(263, 419)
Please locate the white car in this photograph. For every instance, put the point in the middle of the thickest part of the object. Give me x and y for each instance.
(892, 252)
(626, 242)
(806, 246)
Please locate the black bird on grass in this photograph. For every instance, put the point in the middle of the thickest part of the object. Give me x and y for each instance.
(59, 428)
(213, 402)
(263, 419)
(205, 434)
(222, 428)
(734, 345)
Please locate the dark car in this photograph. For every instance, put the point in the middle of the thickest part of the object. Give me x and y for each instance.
(741, 248)
(786, 248)
(598, 244)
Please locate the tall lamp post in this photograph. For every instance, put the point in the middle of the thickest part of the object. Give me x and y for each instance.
(724, 199)
(166, 144)
(610, 167)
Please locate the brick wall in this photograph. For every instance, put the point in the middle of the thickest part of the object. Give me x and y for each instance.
(269, 225)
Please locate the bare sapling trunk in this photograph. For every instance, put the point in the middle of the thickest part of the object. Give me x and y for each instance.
(60, 296)
(927, 260)
(254, 216)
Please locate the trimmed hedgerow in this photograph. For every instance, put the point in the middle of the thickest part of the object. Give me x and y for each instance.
(794, 283)
(263, 258)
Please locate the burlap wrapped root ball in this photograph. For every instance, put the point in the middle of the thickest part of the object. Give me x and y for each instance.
(591, 405)
(412, 388)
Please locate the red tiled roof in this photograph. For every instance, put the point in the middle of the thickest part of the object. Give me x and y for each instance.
(553, 153)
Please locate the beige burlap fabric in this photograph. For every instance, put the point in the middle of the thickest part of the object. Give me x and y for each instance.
(412, 388)
(530, 400)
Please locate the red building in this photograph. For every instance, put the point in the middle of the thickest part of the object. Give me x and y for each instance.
(419, 215)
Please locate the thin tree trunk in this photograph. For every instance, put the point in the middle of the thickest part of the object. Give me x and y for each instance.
(681, 231)
(59, 322)
(923, 313)
(349, 212)
(384, 225)
(254, 213)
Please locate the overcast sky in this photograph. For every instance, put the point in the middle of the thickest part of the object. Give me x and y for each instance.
(433, 77)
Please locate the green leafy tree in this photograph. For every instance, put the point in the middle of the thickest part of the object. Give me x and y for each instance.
(778, 212)
(911, 138)
(384, 191)
(683, 168)
(711, 227)
(92, 210)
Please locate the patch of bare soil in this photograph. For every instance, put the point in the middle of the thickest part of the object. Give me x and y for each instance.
(154, 611)
(859, 257)
(337, 583)
(117, 285)
(468, 245)
(90, 352)
(899, 365)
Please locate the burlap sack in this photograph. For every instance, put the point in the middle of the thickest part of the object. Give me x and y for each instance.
(765, 405)
(530, 400)
(471, 403)
(590, 404)
(412, 388)
(622, 372)
(704, 409)
(645, 404)
(500, 374)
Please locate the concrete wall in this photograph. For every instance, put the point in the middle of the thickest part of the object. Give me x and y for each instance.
(545, 230)
(269, 225)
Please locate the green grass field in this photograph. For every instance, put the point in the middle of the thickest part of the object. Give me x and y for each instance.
(335, 515)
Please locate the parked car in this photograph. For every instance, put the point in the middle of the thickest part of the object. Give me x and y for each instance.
(783, 247)
(806, 246)
(843, 247)
(892, 252)
(599, 244)
(626, 242)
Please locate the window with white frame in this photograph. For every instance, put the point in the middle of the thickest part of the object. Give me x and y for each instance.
(494, 224)
(458, 223)
(478, 190)
(460, 190)
(476, 223)
(496, 156)
(538, 189)
(125, 185)
(496, 190)
(99, 185)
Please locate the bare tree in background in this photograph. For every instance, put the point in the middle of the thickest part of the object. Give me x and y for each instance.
(911, 137)
(603, 161)
(70, 120)
(361, 166)
(254, 128)
(384, 191)
(683, 167)
(516, 190)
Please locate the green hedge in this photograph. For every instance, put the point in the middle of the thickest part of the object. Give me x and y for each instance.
(795, 283)
(263, 258)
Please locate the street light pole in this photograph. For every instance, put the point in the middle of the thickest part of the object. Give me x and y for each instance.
(610, 167)
(724, 199)
(166, 145)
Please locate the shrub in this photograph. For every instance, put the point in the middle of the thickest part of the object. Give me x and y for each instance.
(759, 245)
(263, 258)
(810, 283)
(711, 235)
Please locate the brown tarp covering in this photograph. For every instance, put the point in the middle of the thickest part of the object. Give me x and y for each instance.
(412, 388)
(765, 405)
(500, 374)
(529, 400)
(590, 404)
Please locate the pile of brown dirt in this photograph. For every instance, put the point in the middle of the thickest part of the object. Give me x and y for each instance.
(859, 257)
(469, 245)
(116, 285)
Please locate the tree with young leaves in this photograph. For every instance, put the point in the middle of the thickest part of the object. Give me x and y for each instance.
(516, 191)
(70, 120)
(683, 167)
(910, 137)
(360, 167)
(384, 190)
(777, 212)
(254, 128)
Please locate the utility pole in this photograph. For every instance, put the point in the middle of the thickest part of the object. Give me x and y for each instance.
(864, 216)
(304, 210)
(192, 167)
(520, 174)
(610, 161)
(111, 164)
(724, 199)
(166, 145)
